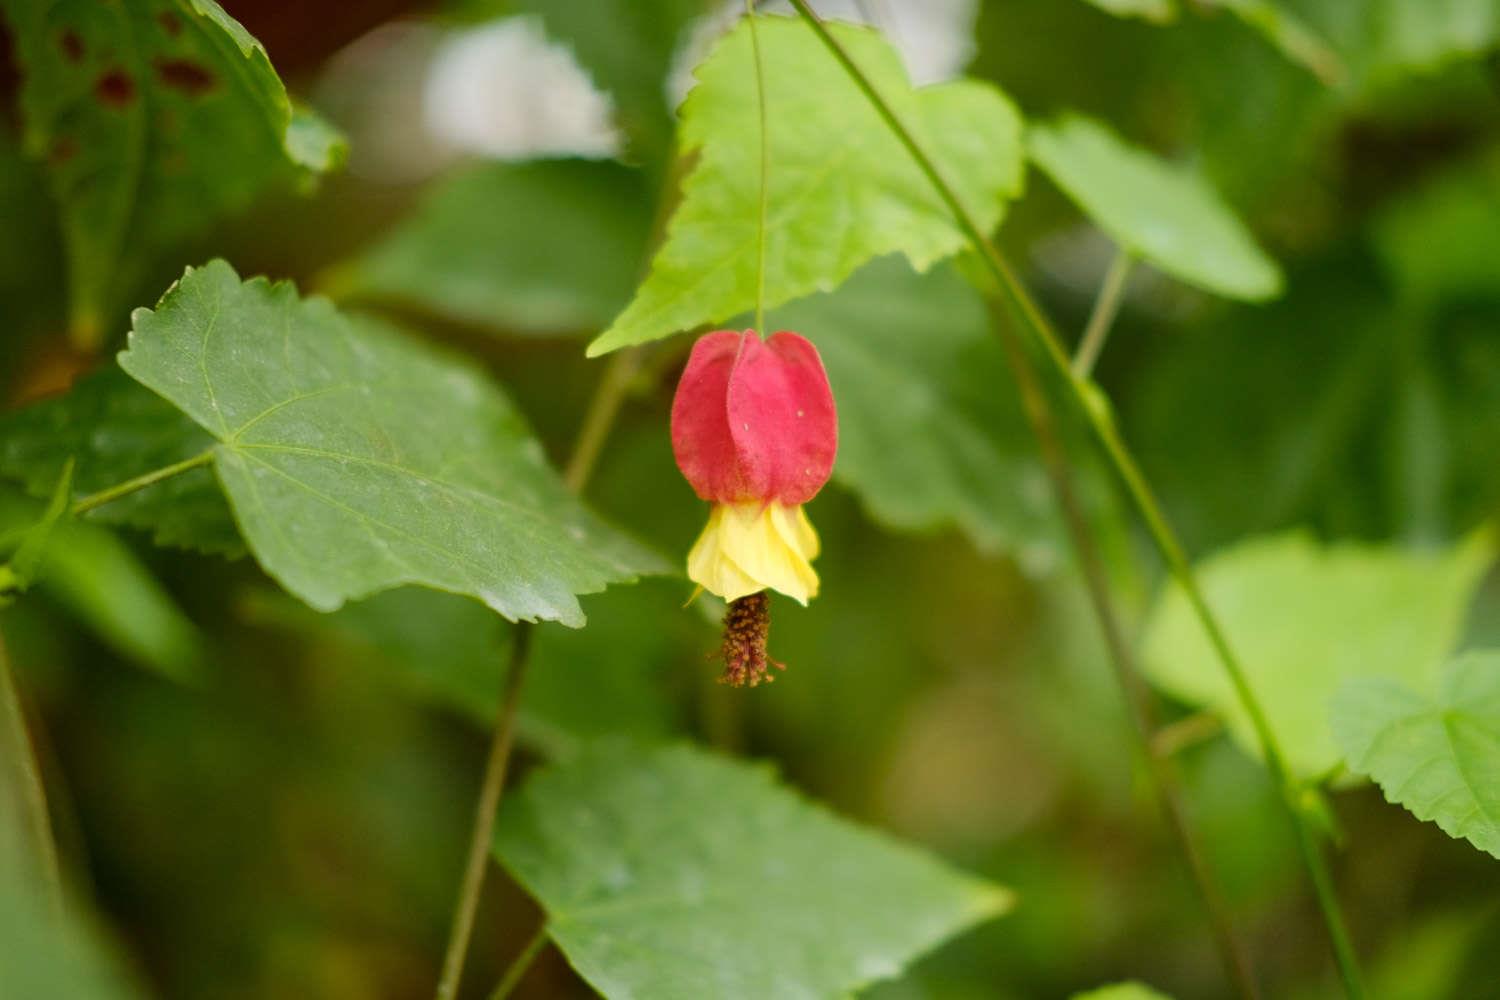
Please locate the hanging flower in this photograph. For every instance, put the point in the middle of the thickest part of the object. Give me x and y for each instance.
(755, 432)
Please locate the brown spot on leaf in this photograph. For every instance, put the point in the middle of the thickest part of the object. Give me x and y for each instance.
(71, 45)
(115, 88)
(64, 148)
(169, 23)
(191, 78)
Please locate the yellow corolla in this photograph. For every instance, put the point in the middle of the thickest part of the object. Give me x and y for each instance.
(754, 546)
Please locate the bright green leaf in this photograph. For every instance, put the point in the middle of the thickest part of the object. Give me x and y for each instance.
(1166, 215)
(154, 119)
(1303, 617)
(1438, 757)
(1156, 11)
(842, 189)
(51, 954)
(543, 248)
(674, 873)
(357, 460)
(116, 430)
(96, 576)
(930, 429)
(1122, 991)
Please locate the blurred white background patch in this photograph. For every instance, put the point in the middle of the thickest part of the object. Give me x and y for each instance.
(414, 96)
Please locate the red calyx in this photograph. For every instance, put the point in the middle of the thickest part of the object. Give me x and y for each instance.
(754, 420)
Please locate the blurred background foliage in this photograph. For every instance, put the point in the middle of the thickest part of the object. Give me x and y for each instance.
(276, 805)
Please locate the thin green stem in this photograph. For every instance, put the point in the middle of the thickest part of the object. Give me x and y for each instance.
(765, 172)
(29, 801)
(1138, 698)
(1106, 308)
(518, 968)
(113, 493)
(495, 769)
(1095, 407)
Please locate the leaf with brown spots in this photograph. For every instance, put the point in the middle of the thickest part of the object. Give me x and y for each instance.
(153, 118)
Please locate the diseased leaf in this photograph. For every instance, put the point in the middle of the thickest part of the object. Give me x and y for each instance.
(627, 48)
(1303, 617)
(671, 873)
(842, 189)
(551, 247)
(1122, 991)
(102, 583)
(1438, 757)
(930, 430)
(154, 117)
(1163, 214)
(356, 459)
(116, 429)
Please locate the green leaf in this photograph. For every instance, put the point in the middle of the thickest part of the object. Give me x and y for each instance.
(1163, 214)
(1122, 991)
(1156, 11)
(1390, 39)
(1441, 240)
(627, 47)
(116, 430)
(34, 538)
(842, 189)
(104, 585)
(542, 248)
(51, 954)
(154, 119)
(1291, 36)
(671, 872)
(356, 459)
(930, 430)
(1303, 617)
(1438, 757)
(615, 678)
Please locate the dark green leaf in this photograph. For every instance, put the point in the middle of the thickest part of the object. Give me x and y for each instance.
(1304, 617)
(674, 873)
(117, 430)
(930, 430)
(356, 459)
(1438, 757)
(842, 189)
(1166, 215)
(154, 118)
(540, 248)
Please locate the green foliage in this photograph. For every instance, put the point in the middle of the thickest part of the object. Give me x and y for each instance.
(1439, 757)
(154, 119)
(1157, 11)
(357, 460)
(1305, 617)
(674, 873)
(842, 190)
(25, 546)
(930, 430)
(1122, 991)
(47, 954)
(1289, 35)
(1156, 211)
(102, 583)
(627, 47)
(115, 430)
(550, 247)
(1441, 241)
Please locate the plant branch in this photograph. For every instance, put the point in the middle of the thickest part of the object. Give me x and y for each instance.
(603, 408)
(1138, 698)
(29, 802)
(1095, 407)
(1102, 318)
(113, 493)
(520, 964)
(484, 816)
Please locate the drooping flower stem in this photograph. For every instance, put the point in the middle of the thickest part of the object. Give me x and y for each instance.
(1096, 410)
(765, 173)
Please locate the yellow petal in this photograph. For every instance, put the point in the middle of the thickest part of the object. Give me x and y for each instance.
(754, 546)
